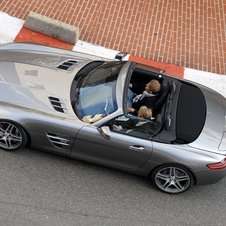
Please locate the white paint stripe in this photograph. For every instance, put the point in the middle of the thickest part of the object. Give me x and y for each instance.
(92, 49)
(10, 27)
(214, 81)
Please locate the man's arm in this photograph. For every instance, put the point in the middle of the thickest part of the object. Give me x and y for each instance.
(133, 111)
(137, 87)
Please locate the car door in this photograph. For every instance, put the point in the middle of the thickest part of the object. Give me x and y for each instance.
(121, 150)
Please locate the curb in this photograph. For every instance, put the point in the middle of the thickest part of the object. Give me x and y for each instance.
(13, 30)
(52, 28)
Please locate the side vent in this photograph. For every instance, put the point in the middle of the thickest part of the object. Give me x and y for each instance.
(68, 64)
(57, 104)
(57, 140)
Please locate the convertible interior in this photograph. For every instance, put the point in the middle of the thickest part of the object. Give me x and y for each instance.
(180, 111)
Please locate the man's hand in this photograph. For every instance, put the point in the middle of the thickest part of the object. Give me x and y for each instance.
(130, 110)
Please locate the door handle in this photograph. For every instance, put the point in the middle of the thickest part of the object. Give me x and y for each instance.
(136, 148)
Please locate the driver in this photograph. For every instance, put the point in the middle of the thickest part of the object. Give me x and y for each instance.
(146, 96)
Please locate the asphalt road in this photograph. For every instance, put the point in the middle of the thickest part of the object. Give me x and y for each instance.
(39, 188)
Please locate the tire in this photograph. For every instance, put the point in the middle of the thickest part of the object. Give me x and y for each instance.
(173, 179)
(12, 137)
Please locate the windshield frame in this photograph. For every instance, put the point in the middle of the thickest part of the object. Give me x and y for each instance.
(121, 92)
(113, 69)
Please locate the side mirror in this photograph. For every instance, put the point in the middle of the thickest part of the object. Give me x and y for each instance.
(120, 56)
(105, 132)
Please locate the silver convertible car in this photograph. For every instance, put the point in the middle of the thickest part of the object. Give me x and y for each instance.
(71, 103)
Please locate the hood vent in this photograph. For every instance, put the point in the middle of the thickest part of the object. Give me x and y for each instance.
(68, 64)
(57, 104)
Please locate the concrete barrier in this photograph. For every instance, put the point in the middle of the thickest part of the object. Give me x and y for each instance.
(52, 28)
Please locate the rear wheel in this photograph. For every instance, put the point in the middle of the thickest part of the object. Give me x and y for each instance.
(12, 137)
(172, 178)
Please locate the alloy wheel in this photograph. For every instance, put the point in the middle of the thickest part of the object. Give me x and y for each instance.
(12, 137)
(173, 179)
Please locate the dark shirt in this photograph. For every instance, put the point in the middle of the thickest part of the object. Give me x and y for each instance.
(149, 102)
(145, 130)
(135, 127)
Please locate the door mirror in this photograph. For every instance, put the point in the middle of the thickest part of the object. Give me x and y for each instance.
(105, 132)
(120, 56)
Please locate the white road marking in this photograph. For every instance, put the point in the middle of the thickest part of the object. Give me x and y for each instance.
(10, 27)
(214, 81)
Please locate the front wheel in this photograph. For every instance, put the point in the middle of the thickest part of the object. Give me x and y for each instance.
(12, 137)
(172, 179)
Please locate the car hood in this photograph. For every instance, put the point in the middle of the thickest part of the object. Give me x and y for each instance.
(33, 77)
(212, 136)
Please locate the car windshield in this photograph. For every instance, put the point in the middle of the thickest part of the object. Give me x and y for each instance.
(96, 92)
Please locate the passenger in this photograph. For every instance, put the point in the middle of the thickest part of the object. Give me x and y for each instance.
(143, 126)
(145, 113)
(147, 97)
(138, 125)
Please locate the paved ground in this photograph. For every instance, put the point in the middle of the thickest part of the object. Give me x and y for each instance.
(188, 33)
(42, 189)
